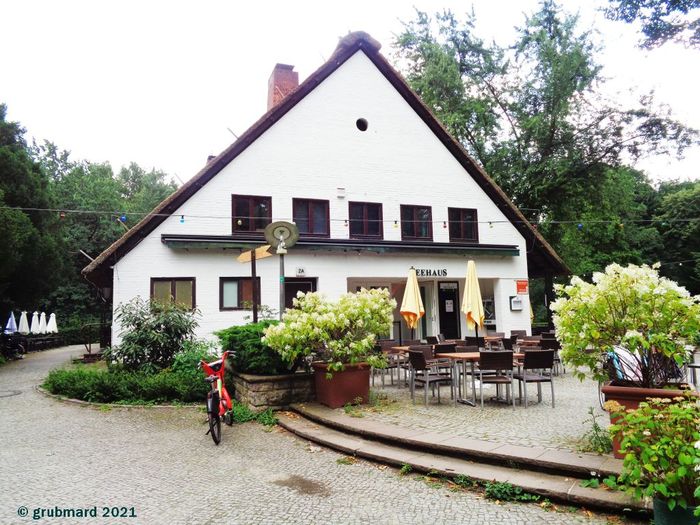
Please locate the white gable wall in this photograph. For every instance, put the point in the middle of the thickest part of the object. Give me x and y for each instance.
(310, 152)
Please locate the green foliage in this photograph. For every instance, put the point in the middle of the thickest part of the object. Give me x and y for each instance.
(242, 414)
(661, 444)
(677, 203)
(121, 386)
(503, 491)
(153, 334)
(346, 460)
(339, 333)
(464, 481)
(267, 417)
(405, 469)
(592, 483)
(251, 355)
(597, 439)
(632, 307)
(662, 20)
(31, 249)
(533, 114)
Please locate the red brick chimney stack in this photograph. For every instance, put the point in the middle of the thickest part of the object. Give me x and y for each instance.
(283, 81)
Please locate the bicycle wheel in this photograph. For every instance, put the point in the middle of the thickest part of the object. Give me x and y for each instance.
(601, 396)
(228, 418)
(214, 418)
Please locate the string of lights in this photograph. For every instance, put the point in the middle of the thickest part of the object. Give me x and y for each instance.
(124, 217)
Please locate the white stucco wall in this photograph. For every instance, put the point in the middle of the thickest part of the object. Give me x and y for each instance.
(309, 153)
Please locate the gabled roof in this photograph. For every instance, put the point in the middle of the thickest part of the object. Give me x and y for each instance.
(542, 259)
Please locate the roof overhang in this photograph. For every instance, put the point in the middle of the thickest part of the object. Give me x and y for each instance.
(207, 242)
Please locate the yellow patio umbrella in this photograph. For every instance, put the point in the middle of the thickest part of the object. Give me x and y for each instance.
(472, 305)
(412, 305)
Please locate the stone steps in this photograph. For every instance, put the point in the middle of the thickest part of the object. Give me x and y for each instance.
(555, 486)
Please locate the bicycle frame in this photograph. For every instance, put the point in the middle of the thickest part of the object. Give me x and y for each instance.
(217, 369)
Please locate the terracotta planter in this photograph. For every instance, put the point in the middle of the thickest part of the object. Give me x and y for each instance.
(677, 516)
(630, 397)
(344, 387)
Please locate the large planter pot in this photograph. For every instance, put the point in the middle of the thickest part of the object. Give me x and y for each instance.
(630, 397)
(347, 386)
(678, 516)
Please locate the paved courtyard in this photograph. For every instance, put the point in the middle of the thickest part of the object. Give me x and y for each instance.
(538, 425)
(160, 462)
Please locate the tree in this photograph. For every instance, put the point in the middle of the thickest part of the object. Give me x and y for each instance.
(661, 20)
(678, 219)
(532, 115)
(31, 251)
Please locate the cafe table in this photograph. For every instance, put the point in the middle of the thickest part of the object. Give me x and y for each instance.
(464, 359)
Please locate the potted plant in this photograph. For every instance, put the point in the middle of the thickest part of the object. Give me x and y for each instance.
(629, 328)
(338, 337)
(661, 446)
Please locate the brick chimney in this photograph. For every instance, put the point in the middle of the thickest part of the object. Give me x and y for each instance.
(283, 81)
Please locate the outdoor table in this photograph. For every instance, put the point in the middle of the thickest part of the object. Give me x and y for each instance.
(489, 340)
(463, 358)
(528, 342)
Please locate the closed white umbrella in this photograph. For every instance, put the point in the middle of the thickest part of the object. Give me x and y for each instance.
(23, 323)
(35, 323)
(11, 326)
(51, 327)
(42, 323)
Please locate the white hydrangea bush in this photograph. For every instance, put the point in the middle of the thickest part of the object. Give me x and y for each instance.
(631, 307)
(339, 333)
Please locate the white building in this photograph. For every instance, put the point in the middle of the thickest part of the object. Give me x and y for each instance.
(375, 185)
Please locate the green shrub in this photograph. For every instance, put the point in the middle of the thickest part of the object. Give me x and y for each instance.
(118, 385)
(250, 354)
(152, 334)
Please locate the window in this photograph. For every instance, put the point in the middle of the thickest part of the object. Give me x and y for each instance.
(251, 213)
(463, 224)
(416, 222)
(235, 292)
(181, 290)
(366, 220)
(311, 217)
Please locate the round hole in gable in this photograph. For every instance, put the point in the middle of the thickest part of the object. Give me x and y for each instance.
(362, 124)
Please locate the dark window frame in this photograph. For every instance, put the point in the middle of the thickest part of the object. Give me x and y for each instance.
(463, 226)
(416, 221)
(235, 228)
(327, 203)
(223, 280)
(173, 287)
(365, 220)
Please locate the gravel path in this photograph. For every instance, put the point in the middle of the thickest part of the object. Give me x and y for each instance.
(159, 462)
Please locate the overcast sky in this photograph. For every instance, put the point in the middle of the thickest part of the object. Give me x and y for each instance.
(161, 82)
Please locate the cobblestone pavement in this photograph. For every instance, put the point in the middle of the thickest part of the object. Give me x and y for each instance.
(538, 425)
(160, 462)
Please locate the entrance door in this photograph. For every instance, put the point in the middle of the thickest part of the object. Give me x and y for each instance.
(292, 285)
(448, 306)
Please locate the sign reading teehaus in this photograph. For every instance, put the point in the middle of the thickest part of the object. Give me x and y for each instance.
(431, 272)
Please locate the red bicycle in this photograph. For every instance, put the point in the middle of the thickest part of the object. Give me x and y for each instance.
(218, 400)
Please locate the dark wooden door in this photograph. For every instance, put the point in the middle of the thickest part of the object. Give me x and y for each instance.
(292, 285)
(448, 307)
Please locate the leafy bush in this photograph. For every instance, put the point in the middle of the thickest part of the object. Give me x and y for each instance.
(250, 354)
(342, 332)
(631, 307)
(661, 443)
(153, 334)
(117, 385)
